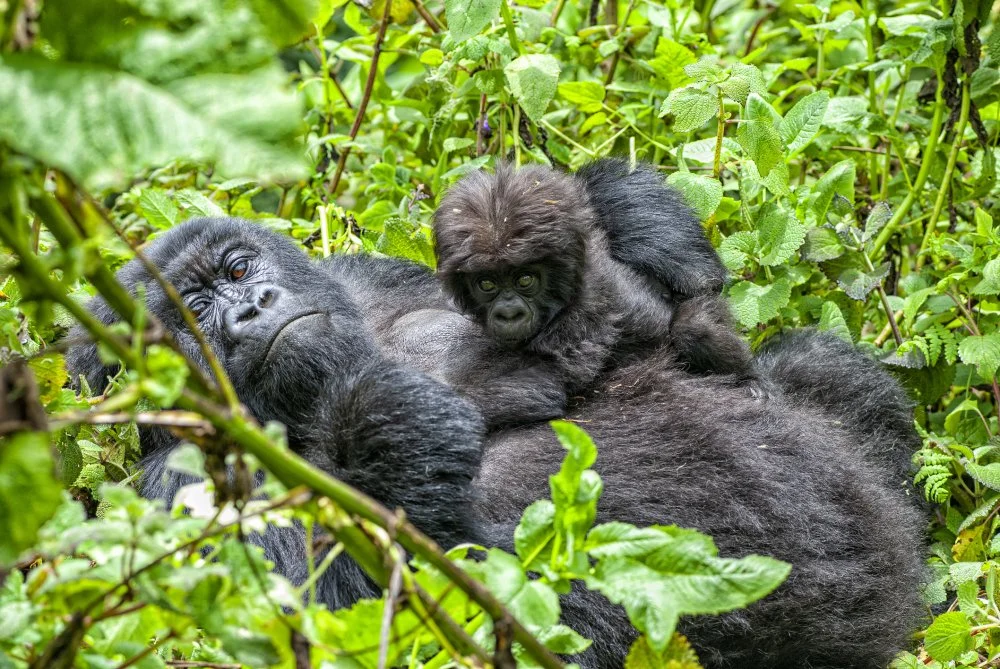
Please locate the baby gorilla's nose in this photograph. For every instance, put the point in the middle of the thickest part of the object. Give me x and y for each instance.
(511, 313)
(254, 311)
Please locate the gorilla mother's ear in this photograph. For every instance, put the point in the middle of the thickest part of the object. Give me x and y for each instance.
(650, 228)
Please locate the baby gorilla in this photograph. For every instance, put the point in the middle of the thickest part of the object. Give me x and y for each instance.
(525, 254)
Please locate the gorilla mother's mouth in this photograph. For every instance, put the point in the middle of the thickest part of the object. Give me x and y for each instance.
(288, 326)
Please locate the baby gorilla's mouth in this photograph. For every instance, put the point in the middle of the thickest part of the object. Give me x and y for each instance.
(291, 325)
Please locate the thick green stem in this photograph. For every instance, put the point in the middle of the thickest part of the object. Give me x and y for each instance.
(508, 20)
(927, 160)
(720, 133)
(956, 145)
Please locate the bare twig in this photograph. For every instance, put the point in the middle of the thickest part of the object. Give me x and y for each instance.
(427, 16)
(365, 97)
(481, 127)
(165, 418)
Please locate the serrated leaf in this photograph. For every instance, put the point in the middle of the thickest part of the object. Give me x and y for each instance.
(534, 531)
(101, 127)
(467, 18)
(456, 144)
(838, 180)
(983, 351)
(736, 249)
(702, 193)
(691, 108)
(401, 240)
(158, 209)
(779, 235)
(990, 285)
(533, 79)
(758, 136)
(822, 244)
(705, 68)
(832, 321)
(753, 303)
(669, 62)
(742, 81)
(949, 636)
(858, 283)
(588, 96)
(877, 218)
(803, 121)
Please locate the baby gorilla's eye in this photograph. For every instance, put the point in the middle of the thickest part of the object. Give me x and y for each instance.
(238, 270)
(487, 285)
(526, 281)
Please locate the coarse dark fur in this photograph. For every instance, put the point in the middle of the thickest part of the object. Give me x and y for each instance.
(775, 477)
(525, 255)
(295, 346)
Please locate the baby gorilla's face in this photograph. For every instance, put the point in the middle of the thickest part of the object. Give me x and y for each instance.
(512, 303)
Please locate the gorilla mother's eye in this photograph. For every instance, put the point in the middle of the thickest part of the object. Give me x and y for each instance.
(486, 285)
(238, 270)
(197, 307)
(526, 281)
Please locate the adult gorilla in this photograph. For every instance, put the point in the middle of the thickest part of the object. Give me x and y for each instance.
(761, 477)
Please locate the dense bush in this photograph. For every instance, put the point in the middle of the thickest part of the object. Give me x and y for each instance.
(842, 156)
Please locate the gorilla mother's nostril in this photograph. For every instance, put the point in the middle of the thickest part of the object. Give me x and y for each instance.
(267, 298)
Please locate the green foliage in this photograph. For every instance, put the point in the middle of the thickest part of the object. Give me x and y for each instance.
(842, 157)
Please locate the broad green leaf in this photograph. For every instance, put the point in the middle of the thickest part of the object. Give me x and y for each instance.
(575, 490)
(822, 244)
(157, 208)
(534, 531)
(691, 108)
(29, 491)
(678, 655)
(704, 69)
(702, 193)
(990, 285)
(457, 143)
(758, 136)
(949, 636)
(742, 81)
(844, 111)
(102, 127)
(532, 81)
(401, 240)
(803, 121)
(467, 18)
(563, 640)
(877, 218)
(858, 283)
(737, 248)
(669, 62)
(838, 180)
(779, 235)
(195, 203)
(983, 351)
(832, 321)
(588, 96)
(753, 303)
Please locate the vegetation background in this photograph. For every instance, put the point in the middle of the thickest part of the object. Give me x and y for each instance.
(841, 154)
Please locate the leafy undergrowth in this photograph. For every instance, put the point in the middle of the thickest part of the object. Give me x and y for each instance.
(841, 154)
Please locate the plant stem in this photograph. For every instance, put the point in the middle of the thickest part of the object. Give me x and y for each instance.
(720, 133)
(956, 145)
(927, 159)
(365, 97)
(508, 20)
(428, 18)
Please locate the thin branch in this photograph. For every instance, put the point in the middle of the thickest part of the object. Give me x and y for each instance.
(165, 418)
(481, 127)
(427, 16)
(365, 97)
(135, 659)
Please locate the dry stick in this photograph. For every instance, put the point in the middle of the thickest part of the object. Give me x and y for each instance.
(365, 97)
(164, 418)
(756, 29)
(617, 56)
(427, 16)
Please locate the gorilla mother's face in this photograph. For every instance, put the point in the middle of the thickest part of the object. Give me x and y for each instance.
(272, 317)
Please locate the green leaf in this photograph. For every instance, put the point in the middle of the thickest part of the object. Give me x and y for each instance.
(858, 283)
(983, 351)
(401, 240)
(588, 96)
(803, 121)
(753, 303)
(691, 108)
(678, 655)
(758, 136)
(780, 235)
(563, 640)
(949, 636)
(534, 531)
(467, 18)
(532, 80)
(838, 180)
(157, 208)
(880, 214)
(669, 62)
(102, 127)
(742, 81)
(736, 249)
(29, 491)
(832, 321)
(702, 193)
(822, 244)
(456, 144)
(990, 285)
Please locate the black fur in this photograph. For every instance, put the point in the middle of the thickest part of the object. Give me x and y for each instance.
(584, 310)
(774, 477)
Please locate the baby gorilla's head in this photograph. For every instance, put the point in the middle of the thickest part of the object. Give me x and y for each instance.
(512, 248)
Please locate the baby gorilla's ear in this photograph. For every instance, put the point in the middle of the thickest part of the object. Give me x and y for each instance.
(650, 228)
